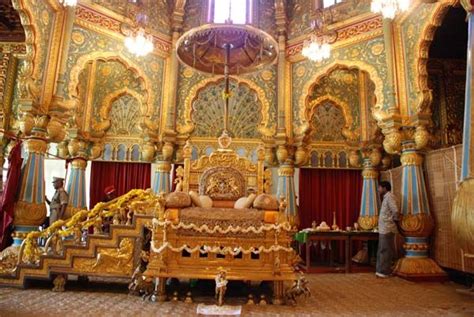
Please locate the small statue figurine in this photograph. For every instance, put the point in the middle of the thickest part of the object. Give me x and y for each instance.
(59, 282)
(221, 286)
(299, 287)
(282, 206)
(179, 179)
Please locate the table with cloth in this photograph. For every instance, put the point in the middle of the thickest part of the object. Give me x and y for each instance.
(306, 239)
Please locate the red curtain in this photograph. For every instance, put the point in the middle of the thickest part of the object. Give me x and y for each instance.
(324, 191)
(10, 194)
(124, 176)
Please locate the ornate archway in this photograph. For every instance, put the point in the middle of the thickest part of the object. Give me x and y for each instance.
(149, 99)
(377, 110)
(421, 49)
(189, 125)
(337, 103)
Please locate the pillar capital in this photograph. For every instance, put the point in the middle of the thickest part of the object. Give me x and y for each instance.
(287, 169)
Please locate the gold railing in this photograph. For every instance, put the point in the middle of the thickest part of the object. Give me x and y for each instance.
(120, 210)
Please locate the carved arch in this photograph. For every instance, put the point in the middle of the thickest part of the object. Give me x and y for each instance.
(377, 110)
(422, 48)
(147, 101)
(189, 125)
(106, 106)
(346, 111)
(31, 73)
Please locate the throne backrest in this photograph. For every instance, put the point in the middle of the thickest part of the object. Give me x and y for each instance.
(223, 175)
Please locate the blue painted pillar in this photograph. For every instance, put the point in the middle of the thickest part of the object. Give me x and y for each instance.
(467, 169)
(462, 216)
(370, 202)
(76, 187)
(30, 209)
(161, 183)
(416, 221)
(286, 189)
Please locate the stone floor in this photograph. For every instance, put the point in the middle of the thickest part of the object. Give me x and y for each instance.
(333, 295)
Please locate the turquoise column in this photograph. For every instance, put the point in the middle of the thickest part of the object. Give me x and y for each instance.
(286, 189)
(161, 183)
(30, 209)
(462, 216)
(76, 186)
(467, 169)
(416, 221)
(370, 202)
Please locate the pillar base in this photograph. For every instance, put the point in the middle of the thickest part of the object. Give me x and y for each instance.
(20, 233)
(9, 260)
(419, 269)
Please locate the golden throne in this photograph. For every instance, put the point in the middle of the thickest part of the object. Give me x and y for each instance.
(195, 242)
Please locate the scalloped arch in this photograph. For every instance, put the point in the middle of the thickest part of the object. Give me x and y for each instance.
(422, 48)
(188, 126)
(109, 99)
(346, 111)
(150, 97)
(377, 110)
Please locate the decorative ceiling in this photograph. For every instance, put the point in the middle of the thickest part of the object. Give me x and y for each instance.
(11, 29)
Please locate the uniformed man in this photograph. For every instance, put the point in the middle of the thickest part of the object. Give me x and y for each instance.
(58, 204)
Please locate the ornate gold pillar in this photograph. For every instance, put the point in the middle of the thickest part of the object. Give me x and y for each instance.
(416, 221)
(169, 132)
(30, 209)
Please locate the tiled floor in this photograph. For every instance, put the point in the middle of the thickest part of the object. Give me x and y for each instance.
(333, 295)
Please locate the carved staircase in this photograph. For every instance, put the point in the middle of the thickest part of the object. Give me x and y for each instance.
(118, 259)
(113, 254)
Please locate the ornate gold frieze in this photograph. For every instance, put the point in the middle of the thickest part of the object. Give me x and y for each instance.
(419, 225)
(346, 35)
(368, 222)
(96, 21)
(109, 260)
(29, 214)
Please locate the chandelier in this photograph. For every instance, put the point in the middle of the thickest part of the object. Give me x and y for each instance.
(68, 3)
(138, 43)
(318, 47)
(389, 8)
(136, 40)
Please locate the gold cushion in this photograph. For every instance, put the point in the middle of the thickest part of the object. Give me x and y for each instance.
(265, 201)
(195, 199)
(178, 200)
(206, 201)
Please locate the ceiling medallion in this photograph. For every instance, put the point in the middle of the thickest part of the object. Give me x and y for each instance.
(389, 8)
(204, 48)
(226, 49)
